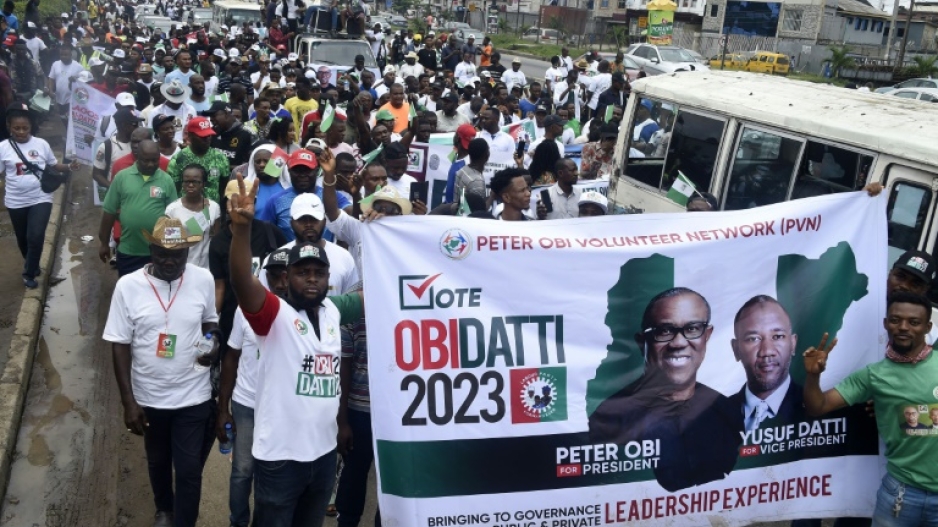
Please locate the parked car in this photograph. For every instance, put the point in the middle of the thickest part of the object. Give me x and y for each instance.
(911, 83)
(548, 35)
(657, 60)
(631, 67)
(734, 61)
(700, 58)
(768, 62)
(462, 31)
(921, 94)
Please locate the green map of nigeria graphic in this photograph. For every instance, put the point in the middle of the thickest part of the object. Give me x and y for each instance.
(815, 293)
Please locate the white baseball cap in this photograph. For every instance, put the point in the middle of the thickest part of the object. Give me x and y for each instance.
(233, 52)
(293, 56)
(126, 99)
(591, 196)
(219, 53)
(119, 54)
(307, 204)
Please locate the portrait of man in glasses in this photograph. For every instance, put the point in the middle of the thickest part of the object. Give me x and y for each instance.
(698, 427)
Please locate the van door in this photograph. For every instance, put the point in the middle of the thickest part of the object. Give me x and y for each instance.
(910, 210)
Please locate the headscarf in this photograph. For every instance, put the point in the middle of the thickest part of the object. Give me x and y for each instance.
(252, 175)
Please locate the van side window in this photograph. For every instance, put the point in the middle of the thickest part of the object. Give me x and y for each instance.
(643, 164)
(762, 169)
(691, 148)
(827, 169)
(905, 217)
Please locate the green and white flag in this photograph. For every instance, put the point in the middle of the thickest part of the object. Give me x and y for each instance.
(328, 114)
(368, 199)
(608, 116)
(463, 209)
(371, 156)
(413, 113)
(681, 190)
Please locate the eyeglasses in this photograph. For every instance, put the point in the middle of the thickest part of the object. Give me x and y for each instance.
(666, 333)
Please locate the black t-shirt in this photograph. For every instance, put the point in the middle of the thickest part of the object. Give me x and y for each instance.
(265, 239)
(427, 58)
(236, 145)
(495, 70)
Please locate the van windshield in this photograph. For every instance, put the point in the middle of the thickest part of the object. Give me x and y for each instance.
(341, 53)
(239, 16)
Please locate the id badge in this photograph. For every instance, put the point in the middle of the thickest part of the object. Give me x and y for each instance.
(166, 346)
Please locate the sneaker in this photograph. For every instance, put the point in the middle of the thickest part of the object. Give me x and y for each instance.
(163, 519)
(31, 283)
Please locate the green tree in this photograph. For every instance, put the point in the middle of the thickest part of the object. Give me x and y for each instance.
(840, 59)
(924, 66)
(556, 22)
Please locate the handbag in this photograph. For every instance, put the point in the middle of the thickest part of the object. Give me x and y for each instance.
(50, 179)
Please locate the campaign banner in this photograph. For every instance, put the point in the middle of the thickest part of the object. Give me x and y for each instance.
(82, 137)
(623, 392)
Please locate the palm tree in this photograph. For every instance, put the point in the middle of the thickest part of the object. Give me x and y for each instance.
(840, 59)
(924, 66)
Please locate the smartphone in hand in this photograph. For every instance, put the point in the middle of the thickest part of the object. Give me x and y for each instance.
(545, 200)
(419, 191)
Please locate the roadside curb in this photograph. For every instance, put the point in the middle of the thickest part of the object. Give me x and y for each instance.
(14, 380)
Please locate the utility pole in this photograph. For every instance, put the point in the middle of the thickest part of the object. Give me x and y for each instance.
(892, 27)
(905, 36)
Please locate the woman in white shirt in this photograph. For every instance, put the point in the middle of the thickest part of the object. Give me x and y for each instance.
(29, 207)
(198, 213)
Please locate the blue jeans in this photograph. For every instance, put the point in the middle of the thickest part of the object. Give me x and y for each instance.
(242, 465)
(29, 225)
(293, 493)
(918, 507)
(353, 484)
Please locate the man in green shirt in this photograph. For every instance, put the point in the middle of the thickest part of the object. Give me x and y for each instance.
(200, 152)
(138, 196)
(905, 379)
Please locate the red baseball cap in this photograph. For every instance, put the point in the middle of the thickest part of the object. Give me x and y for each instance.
(465, 133)
(303, 158)
(200, 126)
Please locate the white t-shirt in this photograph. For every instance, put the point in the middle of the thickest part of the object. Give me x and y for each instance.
(243, 338)
(254, 76)
(379, 39)
(465, 71)
(60, 73)
(182, 117)
(512, 77)
(161, 378)
(554, 75)
(211, 84)
(412, 71)
(297, 391)
(600, 83)
(22, 186)
(402, 185)
(343, 274)
(196, 222)
(500, 142)
(118, 150)
(349, 230)
(35, 45)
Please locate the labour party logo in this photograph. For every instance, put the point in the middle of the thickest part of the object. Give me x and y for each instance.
(300, 326)
(81, 96)
(538, 395)
(455, 244)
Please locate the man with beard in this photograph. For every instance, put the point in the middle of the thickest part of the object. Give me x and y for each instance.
(764, 344)
(667, 403)
(904, 378)
(158, 316)
(197, 98)
(201, 152)
(175, 106)
(295, 459)
(230, 135)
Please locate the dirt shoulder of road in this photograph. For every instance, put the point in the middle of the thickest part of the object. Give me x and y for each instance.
(25, 335)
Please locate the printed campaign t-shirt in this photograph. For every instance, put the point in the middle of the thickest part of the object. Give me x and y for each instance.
(162, 343)
(243, 338)
(298, 377)
(911, 452)
(22, 186)
(197, 223)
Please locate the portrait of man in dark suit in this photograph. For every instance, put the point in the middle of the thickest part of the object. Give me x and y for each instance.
(698, 427)
(764, 344)
(911, 419)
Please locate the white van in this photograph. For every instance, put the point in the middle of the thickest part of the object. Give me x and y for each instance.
(232, 12)
(753, 140)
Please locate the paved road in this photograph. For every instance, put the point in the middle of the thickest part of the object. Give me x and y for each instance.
(532, 68)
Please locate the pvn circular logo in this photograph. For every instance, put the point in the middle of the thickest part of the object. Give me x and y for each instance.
(455, 244)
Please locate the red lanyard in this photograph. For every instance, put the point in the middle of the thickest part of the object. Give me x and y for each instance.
(165, 307)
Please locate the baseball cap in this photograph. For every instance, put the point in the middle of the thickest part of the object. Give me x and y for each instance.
(551, 120)
(516, 60)
(219, 53)
(307, 204)
(292, 57)
(145, 68)
(917, 263)
(276, 258)
(540, 108)
(161, 119)
(618, 77)
(200, 126)
(303, 158)
(85, 76)
(465, 133)
(119, 54)
(127, 115)
(647, 104)
(384, 115)
(307, 251)
(233, 52)
(216, 107)
(451, 96)
(591, 196)
(390, 69)
(125, 99)
(18, 107)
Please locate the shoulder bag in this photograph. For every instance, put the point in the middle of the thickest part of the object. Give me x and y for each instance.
(50, 179)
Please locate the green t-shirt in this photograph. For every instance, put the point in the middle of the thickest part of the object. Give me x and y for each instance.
(215, 162)
(350, 306)
(138, 204)
(911, 450)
